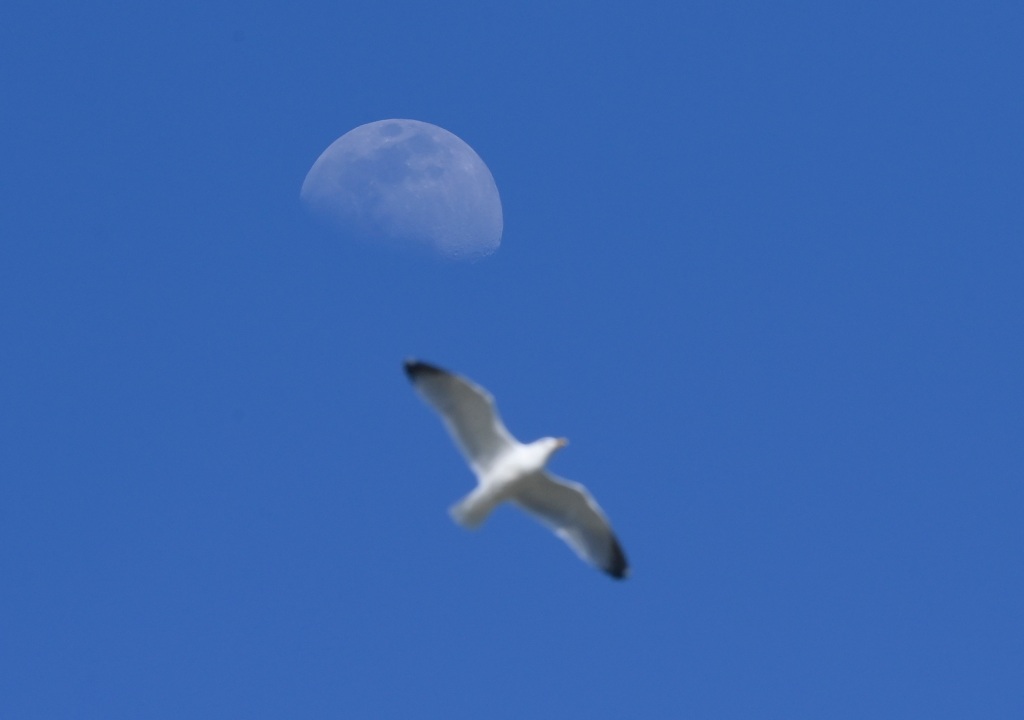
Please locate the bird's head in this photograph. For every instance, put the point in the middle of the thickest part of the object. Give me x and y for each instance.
(540, 451)
(555, 444)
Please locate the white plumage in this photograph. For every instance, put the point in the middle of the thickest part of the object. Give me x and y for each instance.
(508, 470)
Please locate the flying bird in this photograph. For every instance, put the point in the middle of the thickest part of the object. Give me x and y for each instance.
(508, 470)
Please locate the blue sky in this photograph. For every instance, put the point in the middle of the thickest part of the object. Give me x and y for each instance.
(761, 264)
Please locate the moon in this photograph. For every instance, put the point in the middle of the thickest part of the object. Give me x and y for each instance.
(407, 182)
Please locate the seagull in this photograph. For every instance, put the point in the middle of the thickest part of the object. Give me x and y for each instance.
(508, 470)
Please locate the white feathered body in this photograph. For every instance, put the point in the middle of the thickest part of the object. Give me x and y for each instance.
(509, 474)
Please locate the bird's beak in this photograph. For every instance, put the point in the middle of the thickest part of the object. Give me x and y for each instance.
(562, 442)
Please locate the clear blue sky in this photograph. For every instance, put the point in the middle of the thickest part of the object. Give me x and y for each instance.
(762, 264)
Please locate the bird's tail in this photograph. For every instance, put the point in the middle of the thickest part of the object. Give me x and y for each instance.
(471, 511)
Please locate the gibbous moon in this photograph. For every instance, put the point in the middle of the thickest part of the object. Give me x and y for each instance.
(407, 182)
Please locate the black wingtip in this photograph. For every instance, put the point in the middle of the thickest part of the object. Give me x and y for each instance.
(415, 368)
(618, 568)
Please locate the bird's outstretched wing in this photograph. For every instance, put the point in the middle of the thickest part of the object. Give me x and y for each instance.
(569, 510)
(468, 412)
